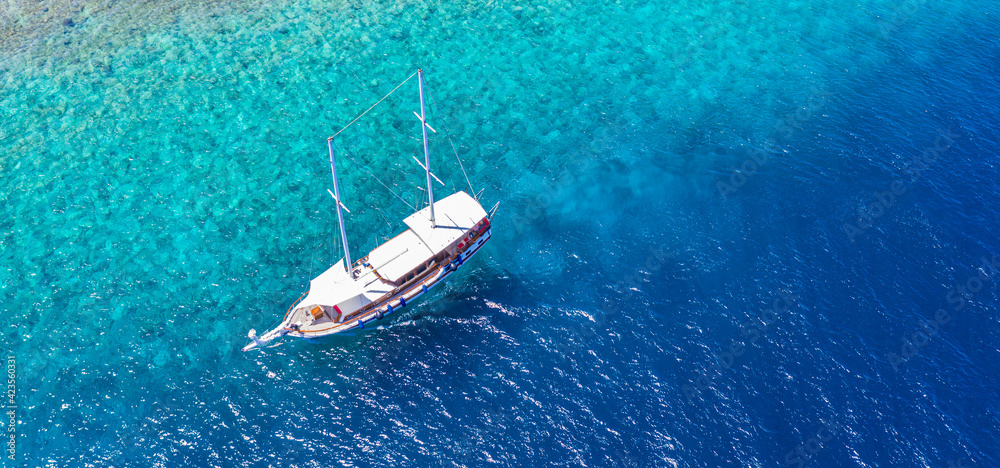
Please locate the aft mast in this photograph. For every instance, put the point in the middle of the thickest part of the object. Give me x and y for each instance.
(336, 198)
(427, 157)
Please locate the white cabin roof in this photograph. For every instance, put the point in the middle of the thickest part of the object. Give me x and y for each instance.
(401, 254)
(454, 216)
(332, 287)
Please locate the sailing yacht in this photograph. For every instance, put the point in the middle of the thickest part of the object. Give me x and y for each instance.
(438, 240)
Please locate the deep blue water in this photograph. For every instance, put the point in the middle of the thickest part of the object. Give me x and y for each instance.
(729, 234)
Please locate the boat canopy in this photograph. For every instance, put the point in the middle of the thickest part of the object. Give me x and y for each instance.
(334, 287)
(396, 258)
(455, 215)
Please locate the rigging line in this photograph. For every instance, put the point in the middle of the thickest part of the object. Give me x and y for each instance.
(384, 218)
(379, 181)
(373, 105)
(448, 134)
(311, 262)
(418, 194)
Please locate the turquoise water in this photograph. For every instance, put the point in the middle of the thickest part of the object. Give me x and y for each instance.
(164, 190)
